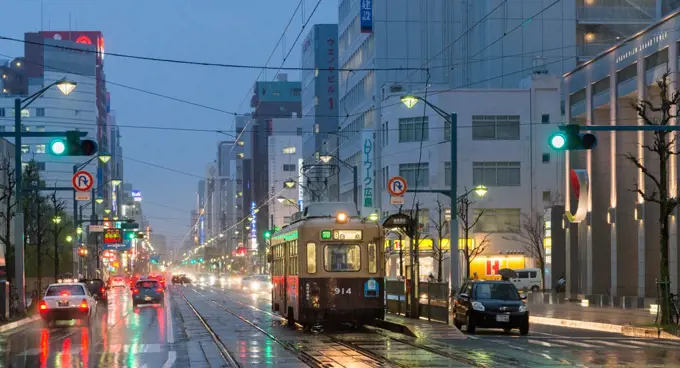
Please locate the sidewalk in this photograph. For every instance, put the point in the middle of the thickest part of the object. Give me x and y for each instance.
(557, 312)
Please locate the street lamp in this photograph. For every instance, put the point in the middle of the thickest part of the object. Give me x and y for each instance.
(104, 157)
(283, 199)
(410, 101)
(56, 219)
(69, 238)
(326, 158)
(66, 87)
(290, 183)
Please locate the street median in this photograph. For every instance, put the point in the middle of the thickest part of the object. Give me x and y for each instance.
(634, 331)
(16, 324)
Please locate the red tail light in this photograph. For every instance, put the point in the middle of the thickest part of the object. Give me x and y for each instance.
(135, 291)
(102, 290)
(42, 305)
(160, 290)
(83, 304)
(64, 293)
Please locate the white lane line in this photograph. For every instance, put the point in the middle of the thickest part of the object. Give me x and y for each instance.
(172, 356)
(543, 343)
(576, 343)
(169, 331)
(617, 345)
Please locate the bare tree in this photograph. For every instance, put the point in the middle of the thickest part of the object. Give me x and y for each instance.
(58, 226)
(35, 208)
(468, 223)
(7, 212)
(531, 234)
(660, 114)
(441, 226)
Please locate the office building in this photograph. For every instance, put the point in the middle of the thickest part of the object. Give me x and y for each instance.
(285, 166)
(613, 240)
(320, 109)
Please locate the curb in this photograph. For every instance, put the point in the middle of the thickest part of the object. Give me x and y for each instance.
(632, 331)
(19, 323)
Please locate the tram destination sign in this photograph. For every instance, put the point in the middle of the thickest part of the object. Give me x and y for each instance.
(342, 234)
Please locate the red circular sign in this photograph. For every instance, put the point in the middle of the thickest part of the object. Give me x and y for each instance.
(82, 181)
(397, 186)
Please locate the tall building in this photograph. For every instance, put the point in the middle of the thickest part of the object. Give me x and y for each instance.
(497, 40)
(612, 232)
(408, 38)
(226, 192)
(201, 198)
(320, 108)
(244, 177)
(285, 164)
(276, 99)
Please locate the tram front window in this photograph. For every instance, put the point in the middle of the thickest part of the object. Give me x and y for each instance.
(342, 258)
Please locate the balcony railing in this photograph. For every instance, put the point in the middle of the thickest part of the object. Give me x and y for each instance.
(611, 14)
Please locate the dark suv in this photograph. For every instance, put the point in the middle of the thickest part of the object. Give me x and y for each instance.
(148, 292)
(96, 287)
(490, 304)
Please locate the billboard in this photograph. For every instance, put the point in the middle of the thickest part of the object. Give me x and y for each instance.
(94, 38)
(367, 174)
(136, 195)
(112, 236)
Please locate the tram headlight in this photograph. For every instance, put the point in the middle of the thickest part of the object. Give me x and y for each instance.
(255, 286)
(212, 280)
(341, 217)
(223, 280)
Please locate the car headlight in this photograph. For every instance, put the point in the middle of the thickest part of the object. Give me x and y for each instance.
(478, 306)
(222, 280)
(255, 285)
(212, 279)
(202, 279)
(523, 308)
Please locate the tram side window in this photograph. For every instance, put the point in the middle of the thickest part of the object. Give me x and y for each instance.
(293, 252)
(311, 258)
(342, 258)
(372, 258)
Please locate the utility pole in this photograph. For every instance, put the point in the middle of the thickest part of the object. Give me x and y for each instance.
(415, 272)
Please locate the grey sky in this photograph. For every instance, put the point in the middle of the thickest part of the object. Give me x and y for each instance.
(223, 31)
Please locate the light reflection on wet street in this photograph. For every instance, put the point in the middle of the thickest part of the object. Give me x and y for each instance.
(153, 336)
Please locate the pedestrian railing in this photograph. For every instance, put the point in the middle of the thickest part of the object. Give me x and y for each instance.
(433, 299)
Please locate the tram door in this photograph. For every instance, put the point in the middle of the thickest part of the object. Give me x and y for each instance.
(286, 271)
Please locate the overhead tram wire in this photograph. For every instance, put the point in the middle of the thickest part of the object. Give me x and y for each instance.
(285, 58)
(196, 63)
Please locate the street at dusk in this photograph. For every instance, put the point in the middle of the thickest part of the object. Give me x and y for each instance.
(339, 183)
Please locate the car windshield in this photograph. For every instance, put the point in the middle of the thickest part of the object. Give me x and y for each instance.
(263, 278)
(147, 284)
(65, 290)
(500, 291)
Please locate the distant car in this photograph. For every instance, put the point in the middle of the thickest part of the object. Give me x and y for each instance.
(490, 304)
(148, 292)
(257, 283)
(159, 278)
(96, 287)
(206, 279)
(118, 281)
(67, 301)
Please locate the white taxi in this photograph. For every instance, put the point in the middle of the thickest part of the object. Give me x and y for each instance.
(67, 301)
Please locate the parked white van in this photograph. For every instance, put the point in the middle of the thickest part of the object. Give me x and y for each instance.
(529, 278)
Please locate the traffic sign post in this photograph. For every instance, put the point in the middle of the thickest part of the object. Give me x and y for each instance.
(82, 181)
(397, 186)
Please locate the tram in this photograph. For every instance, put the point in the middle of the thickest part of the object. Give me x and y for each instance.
(326, 267)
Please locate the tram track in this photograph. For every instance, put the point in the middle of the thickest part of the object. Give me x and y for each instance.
(372, 355)
(226, 355)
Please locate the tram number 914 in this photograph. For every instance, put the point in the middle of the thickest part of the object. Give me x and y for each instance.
(343, 291)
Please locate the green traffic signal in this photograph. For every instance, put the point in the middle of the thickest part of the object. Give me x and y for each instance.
(569, 138)
(57, 147)
(72, 145)
(267, 234)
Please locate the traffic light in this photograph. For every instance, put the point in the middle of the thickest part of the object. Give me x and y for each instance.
(570, 139)
(72, 145)
(268, 234)
(140, 235)
(130, 235)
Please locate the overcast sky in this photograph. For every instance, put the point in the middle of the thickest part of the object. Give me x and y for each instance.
(223, 31)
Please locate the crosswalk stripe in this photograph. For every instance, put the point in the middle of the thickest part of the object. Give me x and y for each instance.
(616, 344)
(576, 343)
(644, 343)
(543, 343)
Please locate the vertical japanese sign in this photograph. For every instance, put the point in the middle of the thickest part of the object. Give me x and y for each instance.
(253, 225)
(366, 16)
(301, 183)
(367, 174)
(332, 79)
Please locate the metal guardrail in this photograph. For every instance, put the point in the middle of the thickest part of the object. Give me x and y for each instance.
(433, 301)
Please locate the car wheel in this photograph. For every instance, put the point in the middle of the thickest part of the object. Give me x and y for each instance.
(470, 324)
(507, 329)
(524, 328)
(535, 288)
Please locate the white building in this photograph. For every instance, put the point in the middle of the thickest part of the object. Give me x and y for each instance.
(615, 250)
(502, 144)
(285, 164)
(56, 112)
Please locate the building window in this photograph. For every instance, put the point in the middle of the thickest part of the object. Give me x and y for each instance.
(40, 128)
(289, 167)
(495, 127)
(40, 111)
(316, 128)
(296, 91)
(447, 174)
(41, 166)
(498, 220)
(546, 158)
(25, 148)
(289, 150)
(496, 174)
(545, 119)
(40, 148)
(316, 100)
(2, 128)
(2, 112)
(299, 132)
(547, 196)
(413, 129)
(287, 219)
(419, 174)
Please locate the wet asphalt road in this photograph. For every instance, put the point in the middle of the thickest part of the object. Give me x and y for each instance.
(173, 336)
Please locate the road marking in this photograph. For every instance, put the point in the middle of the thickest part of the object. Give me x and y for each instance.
(169, 333)
(576, 343)
(172, 356)
(617, 345)
(543, 343)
